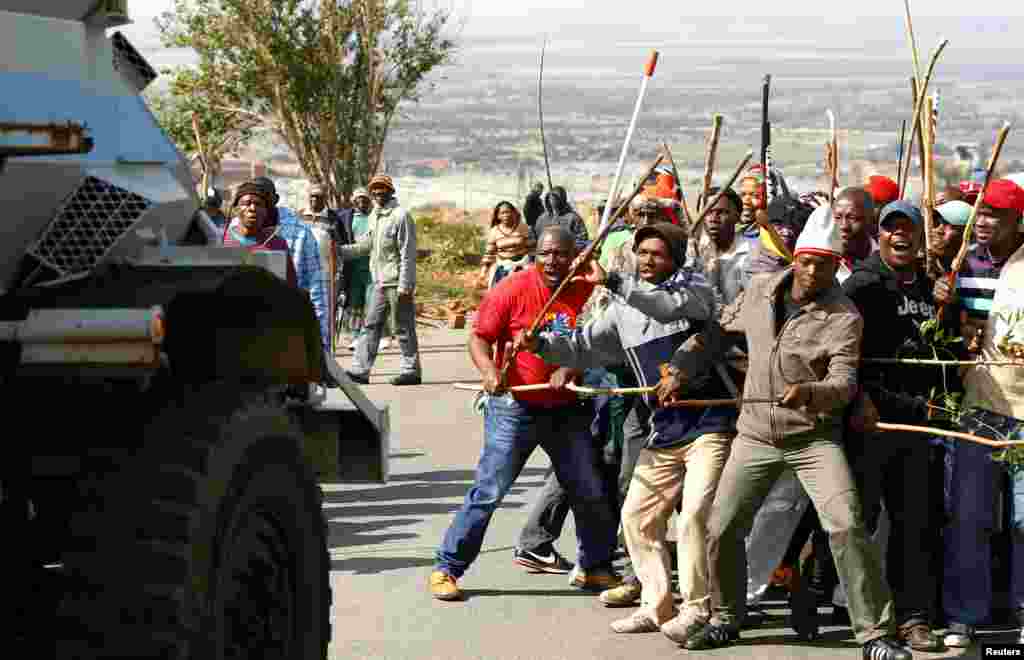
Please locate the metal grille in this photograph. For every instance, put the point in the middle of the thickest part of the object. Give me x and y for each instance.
(129, 60)
(86, 226)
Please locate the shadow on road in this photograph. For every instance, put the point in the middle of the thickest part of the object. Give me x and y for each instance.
(374, 565)
(419, 491)
(831, 639)
(474, 593)
(342, 534)
(458, 475)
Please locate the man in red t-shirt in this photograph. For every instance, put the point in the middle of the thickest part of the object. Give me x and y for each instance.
(514, 425)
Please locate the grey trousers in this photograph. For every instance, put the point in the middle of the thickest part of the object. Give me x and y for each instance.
(384, 305)
(547, 515)
(822, 468)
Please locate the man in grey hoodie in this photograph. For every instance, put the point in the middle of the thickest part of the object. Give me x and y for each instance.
(648, 319)
(391, 245)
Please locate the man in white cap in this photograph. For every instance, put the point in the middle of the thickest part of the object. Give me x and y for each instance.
(391, 245)
(804, 337)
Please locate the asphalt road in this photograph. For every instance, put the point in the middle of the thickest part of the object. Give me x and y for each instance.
(383, 538)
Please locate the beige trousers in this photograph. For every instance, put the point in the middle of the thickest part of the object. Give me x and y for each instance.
(660, 478)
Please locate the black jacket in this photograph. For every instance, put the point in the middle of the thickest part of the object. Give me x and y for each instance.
(893, 315)
(533, 208)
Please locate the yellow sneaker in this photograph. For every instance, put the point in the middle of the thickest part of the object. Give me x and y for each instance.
(595, 579)
(624, 595)
(443, 586)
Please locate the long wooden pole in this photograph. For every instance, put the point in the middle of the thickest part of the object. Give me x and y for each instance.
(710, 204)
(899, 153)
(202, 154)
(832, 153)
(921, 91)
(928, 172)
(652, 62)
(943, 433)
(958, 260)
(540, 112)
(709, 158)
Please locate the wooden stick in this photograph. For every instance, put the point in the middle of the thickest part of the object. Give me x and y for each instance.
(928, 171)
(922, 91)
(943, 433)
(679, 183)
(740, 362)
(622, 391)
(945, 363)
(477, 387)
(913, 41)
(899, 154)
(993, 160)
(712, 153)
(832, 155)
(710, 204)
(961, 255)
(202, 154)
(540, 111)
(710, 403)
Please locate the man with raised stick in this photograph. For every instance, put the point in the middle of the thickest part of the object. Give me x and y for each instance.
(516, 424)
(804, 337)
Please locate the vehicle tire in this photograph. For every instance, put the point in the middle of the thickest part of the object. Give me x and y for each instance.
(211, 543)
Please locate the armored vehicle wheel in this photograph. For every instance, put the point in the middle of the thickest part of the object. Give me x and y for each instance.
(212, 544)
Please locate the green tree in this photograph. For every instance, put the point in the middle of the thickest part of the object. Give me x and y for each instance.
(196, 107)
(327, 76)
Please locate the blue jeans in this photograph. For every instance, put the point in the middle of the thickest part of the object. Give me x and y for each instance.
(976, 487)
(512, 430)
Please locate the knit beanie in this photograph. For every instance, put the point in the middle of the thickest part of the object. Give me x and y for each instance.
(820, 235)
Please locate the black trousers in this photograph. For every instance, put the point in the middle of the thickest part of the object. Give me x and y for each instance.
(894, 469)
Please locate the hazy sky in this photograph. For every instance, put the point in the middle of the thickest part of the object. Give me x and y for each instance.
(524, 17)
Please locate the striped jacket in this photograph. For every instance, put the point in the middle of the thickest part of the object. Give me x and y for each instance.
(977, 281)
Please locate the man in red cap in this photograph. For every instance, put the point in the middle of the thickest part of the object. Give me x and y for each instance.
(989, 301)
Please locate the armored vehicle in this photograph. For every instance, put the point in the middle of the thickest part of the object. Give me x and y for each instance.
(155, 491)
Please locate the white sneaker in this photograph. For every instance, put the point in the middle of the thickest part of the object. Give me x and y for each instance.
(385, 344)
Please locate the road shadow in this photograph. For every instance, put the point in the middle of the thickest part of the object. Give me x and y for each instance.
(374, 565)
(458, 475)
(405, 509)
(469, 594)
(415, 491)
(345, 534)
(831, 639)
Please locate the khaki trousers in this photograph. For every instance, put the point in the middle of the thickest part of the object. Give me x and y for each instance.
(823, 470)
(660, 478)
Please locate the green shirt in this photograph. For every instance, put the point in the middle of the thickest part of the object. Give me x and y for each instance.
(614, 240)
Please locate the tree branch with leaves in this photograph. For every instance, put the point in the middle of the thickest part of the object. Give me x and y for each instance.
(329, 76)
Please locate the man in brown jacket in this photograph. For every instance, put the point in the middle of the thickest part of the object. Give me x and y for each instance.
(804, 336)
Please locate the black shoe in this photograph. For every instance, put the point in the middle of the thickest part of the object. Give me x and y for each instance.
(711, 636)
(885, 649)
(536, 562)
(407, 379)
(362, 379)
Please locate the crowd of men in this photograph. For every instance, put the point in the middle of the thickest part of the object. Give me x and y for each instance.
(771, 339)
(357, 264)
